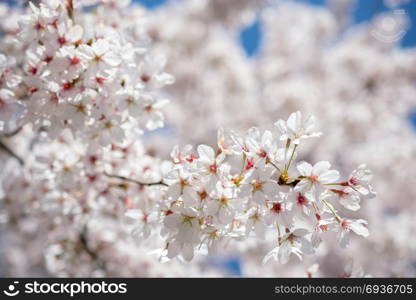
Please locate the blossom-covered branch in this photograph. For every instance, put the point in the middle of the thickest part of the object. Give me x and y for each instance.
(123, 178)
(81, 81)
(252, 184)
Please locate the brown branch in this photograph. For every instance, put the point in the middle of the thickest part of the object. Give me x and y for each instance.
(94, 255)
(293, 183)
(10, 152)
(12, 133)
(134, 180)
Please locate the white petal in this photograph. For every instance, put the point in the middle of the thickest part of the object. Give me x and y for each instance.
(270, 188)
(206, 153)
(212, 207)
(189, 196)
(134, 214)
(358, 227)
(343, 238)
(75, 33)
(173, 249)
(306, 246)
(259, 197)
(303, 186)
(316, 238)
(188, 251)
(329, 177)
(260, 229)
(300, 232)
(271, 254)
(138, 232)
(112, 59)
(351, 202)
(304, 168)
(281, 126)
(321, 167)
(100, 47)
(294, 121)
(284, 253)
(172, 221)
(225, 216)
(174, 191)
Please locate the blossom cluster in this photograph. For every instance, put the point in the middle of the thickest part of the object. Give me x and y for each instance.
(360, 88)
(70, 203)
(252, 183)
(69, 197)
(82, 71)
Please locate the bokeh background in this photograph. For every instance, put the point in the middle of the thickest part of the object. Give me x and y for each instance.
(253, 39)
(243, 63)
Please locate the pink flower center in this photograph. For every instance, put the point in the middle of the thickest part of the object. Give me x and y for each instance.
(61, 40)
(323, 227)
(145, 217)
(100, 80)
(48, 59)
(302, 200)
(250, 163)
(67, 86)
(33, 89)
(145, 78)
(93, 159)
(74, 60)
(203, 194)
(277, 207)
(148, 108)
(191, 157)
(313, 178)
(92, 177)
(39, 26)
(353, 181)
(257, 186)
(262, 153)
(213, 168)
(33, 70)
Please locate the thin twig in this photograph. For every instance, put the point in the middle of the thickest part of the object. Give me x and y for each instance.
(94, 255)
(10, 152)
(134, 180)
(12, 133)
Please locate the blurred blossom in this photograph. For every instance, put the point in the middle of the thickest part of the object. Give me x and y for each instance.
(138, 143)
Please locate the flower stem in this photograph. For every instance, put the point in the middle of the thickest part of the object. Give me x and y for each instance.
(339, 219)
(291, 158)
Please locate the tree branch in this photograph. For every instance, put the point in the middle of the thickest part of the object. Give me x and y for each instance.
(135, 181)
(83, 240)
(10, 152)
(12, 133)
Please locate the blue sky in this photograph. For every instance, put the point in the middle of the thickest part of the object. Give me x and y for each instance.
(250, 37)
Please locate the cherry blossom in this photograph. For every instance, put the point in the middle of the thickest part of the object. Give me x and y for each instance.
(85, 187)
(73, 66)
(296, 128)
(315, 176)
(291, 243)
(11, 110)
(235, 194)
(346, 226)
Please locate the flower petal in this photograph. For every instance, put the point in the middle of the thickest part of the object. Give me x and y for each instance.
(304, 168)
